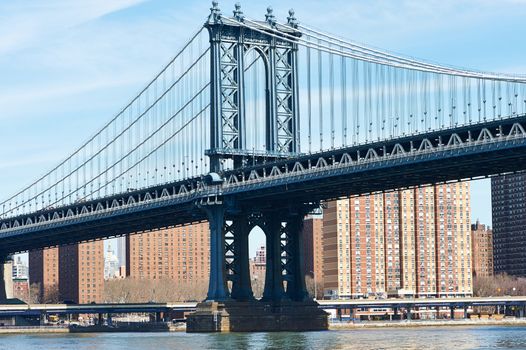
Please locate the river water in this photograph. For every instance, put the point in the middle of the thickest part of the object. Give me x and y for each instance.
(428, 338)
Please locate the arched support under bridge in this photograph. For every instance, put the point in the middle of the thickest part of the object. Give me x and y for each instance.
(285, 304)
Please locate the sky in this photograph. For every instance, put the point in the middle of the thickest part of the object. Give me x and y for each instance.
(68, 66)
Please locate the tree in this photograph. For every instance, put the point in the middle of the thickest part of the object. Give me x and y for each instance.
(34, 294)
(51, 295)
(499, 285)
(314, 286)
(134, 290)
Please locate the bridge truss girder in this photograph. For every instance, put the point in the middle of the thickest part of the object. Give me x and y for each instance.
(484, 149)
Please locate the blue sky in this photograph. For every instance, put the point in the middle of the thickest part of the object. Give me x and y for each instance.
(67, 66)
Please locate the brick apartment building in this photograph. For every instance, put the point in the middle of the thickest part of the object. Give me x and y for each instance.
(482, 250)
(413, 242)
(72, 273)
(180, 253)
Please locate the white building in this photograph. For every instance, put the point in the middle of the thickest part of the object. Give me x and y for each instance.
(111, 264)
(20, 269)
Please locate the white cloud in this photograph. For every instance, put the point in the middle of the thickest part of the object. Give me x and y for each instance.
(27, 24)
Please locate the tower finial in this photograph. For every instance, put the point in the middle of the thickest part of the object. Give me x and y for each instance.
(292, 21)
(215, 13)
(238, 14)
(269, 17)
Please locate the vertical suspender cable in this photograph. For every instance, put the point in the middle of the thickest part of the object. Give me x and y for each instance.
(479, 99)
(320, 97)
(343, 88)
(356, 100)
(309, 101)
(493, 98)
(331, 96)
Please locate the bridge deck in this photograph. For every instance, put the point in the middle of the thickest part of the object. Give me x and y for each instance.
(466, 152)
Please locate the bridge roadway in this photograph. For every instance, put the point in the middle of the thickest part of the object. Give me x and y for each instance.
(455, 303)
(465, 152)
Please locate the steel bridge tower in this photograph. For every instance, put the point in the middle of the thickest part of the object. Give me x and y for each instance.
(230, 304)
(229, 45)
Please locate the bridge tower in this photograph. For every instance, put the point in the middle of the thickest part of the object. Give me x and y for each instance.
(229, 45)
(230, 304)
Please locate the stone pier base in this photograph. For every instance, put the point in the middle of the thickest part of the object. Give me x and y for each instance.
(257, 316)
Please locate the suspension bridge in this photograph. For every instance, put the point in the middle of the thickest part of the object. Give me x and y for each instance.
(255, 123)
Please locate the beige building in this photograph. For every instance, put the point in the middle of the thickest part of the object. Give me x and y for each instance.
(392, 243)
(453, 239)
(413, 242)
(180, 253)
(258, 269)
(407, 231)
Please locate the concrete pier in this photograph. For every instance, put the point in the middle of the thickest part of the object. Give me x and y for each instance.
(257, 316)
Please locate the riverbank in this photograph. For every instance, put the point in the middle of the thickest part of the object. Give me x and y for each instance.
(427, 323)
(33, 329)
(144, 328)
(130, 328)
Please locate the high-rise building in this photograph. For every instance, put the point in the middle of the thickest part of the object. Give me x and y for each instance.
(313, 251)
(81, 272)
(366, 222)
(453, 239)
(121, 251)
(411, 242)
(258, 269)
(70, 273)
(407, 232)
(258, 265)
(7, 270)
(508, 198)
(20, 269)
(261, 254)
(336, 249)
(180, 253)
(43, 272)
(392, 243)
(482, 250)
(425, 241)
(111, 264)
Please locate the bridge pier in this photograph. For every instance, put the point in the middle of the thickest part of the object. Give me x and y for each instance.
(296, 287)
(241, 285)
(279, 309)
(273, 290)
(217, 287)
